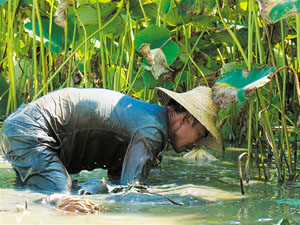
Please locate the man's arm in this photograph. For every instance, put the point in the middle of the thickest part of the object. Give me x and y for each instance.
(139, 157)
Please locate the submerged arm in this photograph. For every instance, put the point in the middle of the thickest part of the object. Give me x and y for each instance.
(139, 157)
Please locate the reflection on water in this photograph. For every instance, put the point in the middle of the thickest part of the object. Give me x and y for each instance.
(210, 194)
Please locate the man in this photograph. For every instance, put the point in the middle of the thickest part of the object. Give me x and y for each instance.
(71, 129)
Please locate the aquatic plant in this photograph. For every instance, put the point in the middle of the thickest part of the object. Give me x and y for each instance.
(47, 45)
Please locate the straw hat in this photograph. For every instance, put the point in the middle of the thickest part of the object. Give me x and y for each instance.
(199, 103)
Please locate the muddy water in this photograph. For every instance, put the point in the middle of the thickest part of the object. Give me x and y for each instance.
(208, 191)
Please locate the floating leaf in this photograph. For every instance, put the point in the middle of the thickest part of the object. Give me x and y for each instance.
(238, 85)
(275, 10)
(157, 59)
(70, 205)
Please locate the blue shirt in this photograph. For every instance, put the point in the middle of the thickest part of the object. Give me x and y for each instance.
(99, 128)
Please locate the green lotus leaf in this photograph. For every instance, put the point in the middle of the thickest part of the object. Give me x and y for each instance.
(57, 33)
(173, 18)
(205, 7)
(156, 37)
(136, 12)
(89, 14)
(150, 82)
(186, 7)
(275, 10)
(165, 6)
(232, 66)
(237, 85)
(280, 10)
(114, 28)
(2, 2)
(89, 17)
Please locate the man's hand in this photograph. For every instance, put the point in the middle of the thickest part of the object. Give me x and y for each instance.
(93, 186)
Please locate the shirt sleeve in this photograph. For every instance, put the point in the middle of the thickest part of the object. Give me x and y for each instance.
(140, 155)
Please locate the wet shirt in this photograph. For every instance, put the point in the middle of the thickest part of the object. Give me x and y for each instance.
(99, 128)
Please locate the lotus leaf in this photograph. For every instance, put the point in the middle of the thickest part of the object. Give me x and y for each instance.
(150, 82)
(57, 34)
(68, 204)
(156, 37)
(238, 85)
(274, 10)
(137, 13)
(60, 12)
(166, 6)
(2, 2)
(205, 7)
(157, 59)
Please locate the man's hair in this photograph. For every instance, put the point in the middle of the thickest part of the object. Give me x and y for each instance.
(178, 108)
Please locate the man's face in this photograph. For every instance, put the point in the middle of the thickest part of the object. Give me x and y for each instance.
(187, 135)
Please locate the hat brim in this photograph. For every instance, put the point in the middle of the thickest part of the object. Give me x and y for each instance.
(199, 103)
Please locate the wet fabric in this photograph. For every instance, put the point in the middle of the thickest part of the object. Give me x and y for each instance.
(71, 129)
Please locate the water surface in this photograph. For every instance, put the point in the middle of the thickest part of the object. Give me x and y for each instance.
(209, 192)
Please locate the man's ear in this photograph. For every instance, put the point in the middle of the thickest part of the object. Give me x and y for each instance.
(187, 118)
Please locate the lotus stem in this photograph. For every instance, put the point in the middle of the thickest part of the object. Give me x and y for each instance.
(42, 52)
(232, 35)
(85, 46)
(73, 53)
(101, 40)
(246, 171)
(185, 64)
(298, 38)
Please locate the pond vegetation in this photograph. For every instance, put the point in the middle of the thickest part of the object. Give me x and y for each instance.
(248, 51)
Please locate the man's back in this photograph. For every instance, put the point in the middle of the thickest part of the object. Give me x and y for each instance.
(95, 126)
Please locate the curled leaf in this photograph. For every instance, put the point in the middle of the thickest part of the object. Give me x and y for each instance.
(275, 10)
(223, 95)
(239, 84)
(71, 205)
(157, 59)
(60, 12)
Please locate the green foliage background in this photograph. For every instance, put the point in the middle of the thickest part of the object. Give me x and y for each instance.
(202, 41)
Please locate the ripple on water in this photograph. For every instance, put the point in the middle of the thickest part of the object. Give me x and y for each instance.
(205, 201)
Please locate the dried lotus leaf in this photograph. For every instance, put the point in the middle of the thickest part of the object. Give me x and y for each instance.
(157, 59)
(71, 205)
(60, 12)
